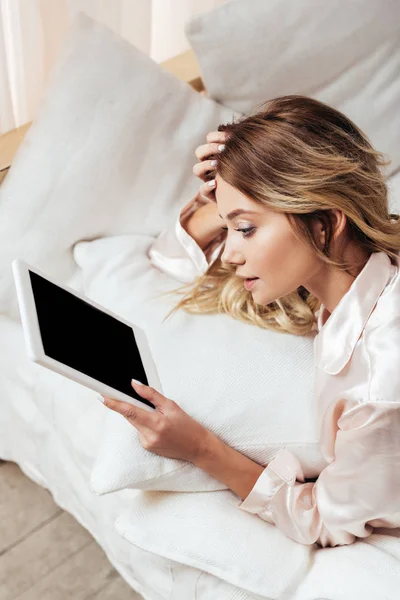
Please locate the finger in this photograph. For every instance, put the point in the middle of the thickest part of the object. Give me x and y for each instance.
(149, 393)
(207, 191)
(206, 150)
(133, 413)
(218, 137)
(204, 169)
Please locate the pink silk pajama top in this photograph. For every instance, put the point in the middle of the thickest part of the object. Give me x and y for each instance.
(357, 399)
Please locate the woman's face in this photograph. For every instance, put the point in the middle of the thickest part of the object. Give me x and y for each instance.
(268, 250)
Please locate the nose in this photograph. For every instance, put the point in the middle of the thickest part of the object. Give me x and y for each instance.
(230, 257)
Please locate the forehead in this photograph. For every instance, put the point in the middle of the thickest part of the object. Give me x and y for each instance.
(230, 199)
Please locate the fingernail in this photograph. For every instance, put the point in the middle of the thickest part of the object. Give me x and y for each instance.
(221, 147)
(213, 163)
(211, 183)
(137, 382)
(100, 398)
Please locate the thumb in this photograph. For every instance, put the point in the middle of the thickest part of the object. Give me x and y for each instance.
(147, 392)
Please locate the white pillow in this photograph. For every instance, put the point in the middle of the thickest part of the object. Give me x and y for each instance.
(344, 54)
(210, 533)
(111, 118)
(252, 387)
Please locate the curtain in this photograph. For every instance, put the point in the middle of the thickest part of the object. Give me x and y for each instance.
(32, 33)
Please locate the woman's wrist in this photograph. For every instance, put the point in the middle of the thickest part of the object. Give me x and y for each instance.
(204, 224)
(238, 472)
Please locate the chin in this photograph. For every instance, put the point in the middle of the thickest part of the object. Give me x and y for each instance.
(262, 299)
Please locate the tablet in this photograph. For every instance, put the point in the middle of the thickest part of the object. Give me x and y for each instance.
(68, 333)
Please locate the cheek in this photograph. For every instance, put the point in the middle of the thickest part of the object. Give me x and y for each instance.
(281, 259)
(275, 247)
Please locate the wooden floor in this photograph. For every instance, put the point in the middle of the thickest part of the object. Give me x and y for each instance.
(45, 554)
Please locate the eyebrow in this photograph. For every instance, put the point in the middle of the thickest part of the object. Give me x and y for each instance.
(239, 211)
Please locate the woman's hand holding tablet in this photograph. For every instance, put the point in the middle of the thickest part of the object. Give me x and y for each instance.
(74, 336)
(169, 431)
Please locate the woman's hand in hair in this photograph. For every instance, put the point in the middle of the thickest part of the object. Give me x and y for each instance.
(205, 169)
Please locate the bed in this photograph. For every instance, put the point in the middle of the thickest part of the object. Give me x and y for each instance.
(56, 444)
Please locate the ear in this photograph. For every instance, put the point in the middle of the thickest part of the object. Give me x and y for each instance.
(339, 222)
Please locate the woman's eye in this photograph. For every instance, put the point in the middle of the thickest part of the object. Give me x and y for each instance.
(246, 232)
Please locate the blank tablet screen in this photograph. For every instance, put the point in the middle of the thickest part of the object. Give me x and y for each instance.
(85, 338)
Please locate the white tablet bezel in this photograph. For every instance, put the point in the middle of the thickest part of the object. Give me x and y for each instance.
(34, 345)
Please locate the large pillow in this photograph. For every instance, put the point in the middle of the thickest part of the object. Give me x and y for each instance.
(344, 54)
(210, 533)
(252, 387)
(110, 119)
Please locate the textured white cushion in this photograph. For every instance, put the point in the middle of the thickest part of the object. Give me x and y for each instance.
(345, 54)
(209, 532)
(252, 387)
(110, 119)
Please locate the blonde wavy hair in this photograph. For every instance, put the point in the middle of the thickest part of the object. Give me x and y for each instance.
(303, 158)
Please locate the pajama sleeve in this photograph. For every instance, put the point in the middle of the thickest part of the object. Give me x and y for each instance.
(177, 254)
(357, 491)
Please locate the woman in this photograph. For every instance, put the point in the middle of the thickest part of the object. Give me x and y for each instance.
(319, 237)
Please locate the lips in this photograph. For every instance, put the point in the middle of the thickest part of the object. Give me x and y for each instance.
(250, 283)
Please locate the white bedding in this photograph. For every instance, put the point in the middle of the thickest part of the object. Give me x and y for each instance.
(145, 534)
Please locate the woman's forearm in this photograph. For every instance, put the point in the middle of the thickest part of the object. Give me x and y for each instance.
(238, 472)
(204, 224)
